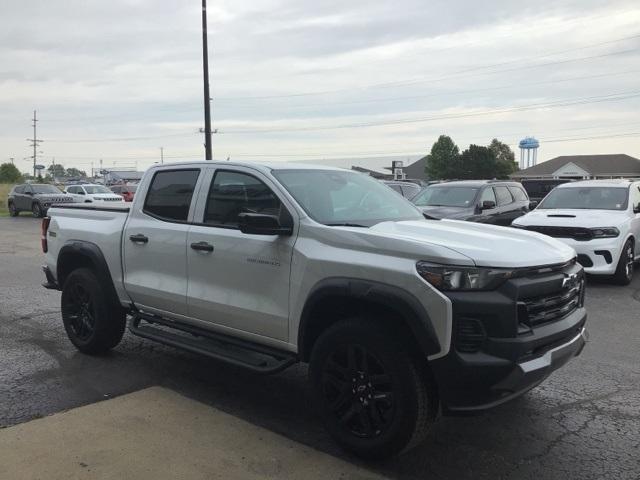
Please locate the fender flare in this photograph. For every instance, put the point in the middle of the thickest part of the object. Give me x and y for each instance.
(403, 302)
(90, 253)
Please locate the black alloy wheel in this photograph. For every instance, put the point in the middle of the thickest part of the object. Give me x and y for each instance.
(358, 391)
(79, 312)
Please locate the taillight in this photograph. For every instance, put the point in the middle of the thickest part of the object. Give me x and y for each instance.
(43, 231)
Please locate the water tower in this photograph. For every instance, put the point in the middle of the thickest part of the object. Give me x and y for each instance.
(528, 152)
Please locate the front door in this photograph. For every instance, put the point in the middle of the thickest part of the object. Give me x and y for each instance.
(239, 281)
(155, 239)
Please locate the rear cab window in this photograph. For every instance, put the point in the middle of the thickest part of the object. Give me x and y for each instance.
(170, 194)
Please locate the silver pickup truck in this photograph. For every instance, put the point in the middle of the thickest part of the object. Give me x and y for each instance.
(261, 266)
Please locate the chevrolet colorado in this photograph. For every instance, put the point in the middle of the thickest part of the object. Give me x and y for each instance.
(399, 317)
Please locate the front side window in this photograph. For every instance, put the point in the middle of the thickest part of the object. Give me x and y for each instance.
(342, 197)
(446, 197)
(232, 193)
(19, 189)
(488, 195)
(503, 195)
(594, 198)
(410, 191)
(170, 193)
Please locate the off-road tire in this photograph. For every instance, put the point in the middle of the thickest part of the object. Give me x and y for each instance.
(625, 268)
(94, 322)
(414, 397)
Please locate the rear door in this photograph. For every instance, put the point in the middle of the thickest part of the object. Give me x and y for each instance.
(155, 239)
(242, 283)
(26, 198)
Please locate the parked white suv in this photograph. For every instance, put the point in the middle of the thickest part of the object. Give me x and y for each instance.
(600, 219)
(89, 193)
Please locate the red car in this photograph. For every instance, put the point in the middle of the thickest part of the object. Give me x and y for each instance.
(126, 191)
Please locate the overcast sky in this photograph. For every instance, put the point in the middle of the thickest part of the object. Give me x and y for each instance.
(316, 80)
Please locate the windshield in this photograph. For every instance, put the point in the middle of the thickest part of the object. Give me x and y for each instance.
(90, 189)
(596, 198)
(446, 197)
(45, 189)
(335, 197)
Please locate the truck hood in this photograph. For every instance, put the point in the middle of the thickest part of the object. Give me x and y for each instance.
(573, 218)
(447, 212)
(485, 245)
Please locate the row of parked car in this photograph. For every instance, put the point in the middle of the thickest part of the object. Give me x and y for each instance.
(600, 219)
(37, 198)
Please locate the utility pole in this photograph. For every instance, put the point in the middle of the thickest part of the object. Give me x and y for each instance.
(161, 155)
(205, 72)
(34, 143)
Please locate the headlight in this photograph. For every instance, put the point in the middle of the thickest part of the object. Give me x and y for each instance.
(605, 232)
(455, 278)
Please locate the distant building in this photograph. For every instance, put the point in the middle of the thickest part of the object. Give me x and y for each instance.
(414, 171)
(583, 167)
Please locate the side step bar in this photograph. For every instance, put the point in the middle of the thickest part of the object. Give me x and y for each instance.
(254, 357)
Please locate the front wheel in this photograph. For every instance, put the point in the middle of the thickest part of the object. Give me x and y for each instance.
(373, 399)
(624, 270)
(36, 209)
(93, 323)
(13, 211)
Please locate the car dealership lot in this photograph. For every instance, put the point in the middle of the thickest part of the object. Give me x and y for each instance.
(582, 422)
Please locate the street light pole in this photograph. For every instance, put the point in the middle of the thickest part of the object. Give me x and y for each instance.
(205, 71)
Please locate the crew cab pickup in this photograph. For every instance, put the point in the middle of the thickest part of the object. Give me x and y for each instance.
(400, 318)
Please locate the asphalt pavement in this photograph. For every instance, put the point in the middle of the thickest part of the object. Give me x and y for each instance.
(583, 422)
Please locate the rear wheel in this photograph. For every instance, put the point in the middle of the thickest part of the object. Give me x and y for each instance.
(624, 270)
(36, 209)
(93, 323)
(373, 399)
(13, 211)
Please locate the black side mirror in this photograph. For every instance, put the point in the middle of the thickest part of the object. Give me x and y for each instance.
(636, 209)
(262, 224)
(488, 205)
(532, 204)
(28, 193)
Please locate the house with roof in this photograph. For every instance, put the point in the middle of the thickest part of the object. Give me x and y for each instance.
(582, 167)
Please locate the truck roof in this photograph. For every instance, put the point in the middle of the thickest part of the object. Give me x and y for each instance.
(264, 166)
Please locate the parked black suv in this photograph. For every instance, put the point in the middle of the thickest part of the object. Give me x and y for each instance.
(485, 201)
(537, 189)
(35, 198)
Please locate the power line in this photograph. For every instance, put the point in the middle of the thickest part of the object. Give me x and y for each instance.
(122, 139)
(457, 73)
(559, 103)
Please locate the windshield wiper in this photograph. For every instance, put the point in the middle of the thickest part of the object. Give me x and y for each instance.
(345, 224)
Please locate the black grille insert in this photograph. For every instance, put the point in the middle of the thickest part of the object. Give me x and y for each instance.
(549, 308)
(584, 260)
(577, 233)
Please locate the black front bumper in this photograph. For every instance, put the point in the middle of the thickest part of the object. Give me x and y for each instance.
(496, 354)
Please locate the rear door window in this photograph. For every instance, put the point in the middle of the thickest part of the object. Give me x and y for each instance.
(170, 194)
(503, 196)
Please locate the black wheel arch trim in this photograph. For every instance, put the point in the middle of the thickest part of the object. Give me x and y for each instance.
(390, 296)
(73, 250)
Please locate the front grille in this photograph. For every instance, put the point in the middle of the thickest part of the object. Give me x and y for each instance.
(549, 308)
(577, 233)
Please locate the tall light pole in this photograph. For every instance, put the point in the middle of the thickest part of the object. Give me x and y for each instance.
(161, 156)
(205, 72)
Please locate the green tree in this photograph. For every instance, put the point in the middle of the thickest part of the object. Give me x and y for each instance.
(74, 172)
(478, 163)
(9, 173)
(56, 170)
(444, 160)
(505, 157)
